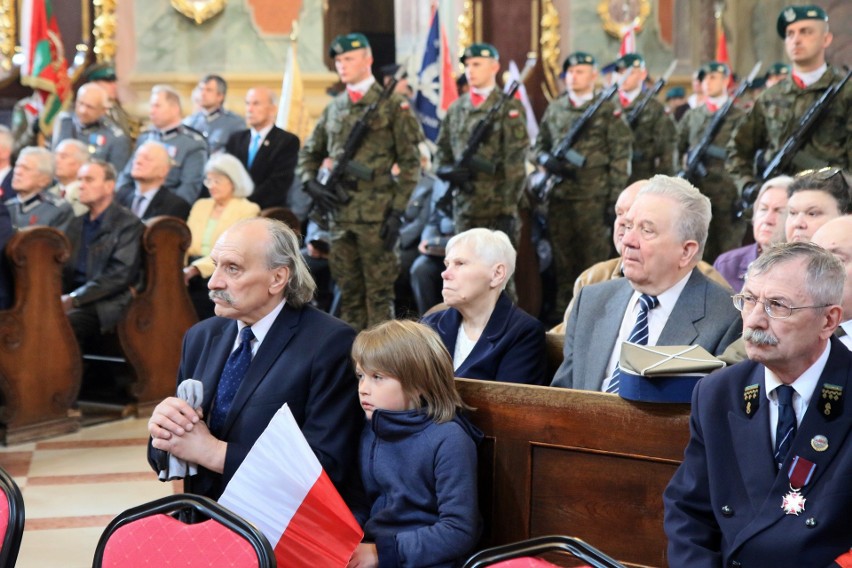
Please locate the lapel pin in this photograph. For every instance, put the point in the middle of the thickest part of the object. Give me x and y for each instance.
(819, 443)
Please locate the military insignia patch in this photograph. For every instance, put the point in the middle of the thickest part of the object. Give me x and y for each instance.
(751, 399)
(790, 15)
(831, 400)
(514, 114)
(404, 105)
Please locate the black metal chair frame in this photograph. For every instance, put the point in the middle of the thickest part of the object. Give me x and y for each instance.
(199, 506)
(15, 529)
(580, 549)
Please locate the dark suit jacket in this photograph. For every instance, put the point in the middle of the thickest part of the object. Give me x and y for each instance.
(728, 463)
(6, 232)
(6, 186)
(703, 315)
(273, 167)
(511, 349)
(164, 203)
(113, 266)
(303, 361)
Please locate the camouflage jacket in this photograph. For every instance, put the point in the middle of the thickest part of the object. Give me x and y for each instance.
(504, 147)
(606, 143)
(776, 115)
(653, 140)
(690, 131)
(394, 133)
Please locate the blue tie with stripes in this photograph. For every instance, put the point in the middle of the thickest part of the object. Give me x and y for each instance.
(785, 431)
(638, 335)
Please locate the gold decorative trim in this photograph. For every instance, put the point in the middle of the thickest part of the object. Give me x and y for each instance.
(104, 29)
(199, 10)
(8, 39)
(550, 49)
(635, 14)
(465, 29)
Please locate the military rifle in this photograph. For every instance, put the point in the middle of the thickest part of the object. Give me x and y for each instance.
(559, 164)
(458, 175)
(328, 189)
(694, 168)
(784, 158)
(633, 116)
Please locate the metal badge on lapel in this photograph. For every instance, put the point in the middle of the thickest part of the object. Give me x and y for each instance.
(800, 473)
(819, 443)
(831, 400)
(751, 399)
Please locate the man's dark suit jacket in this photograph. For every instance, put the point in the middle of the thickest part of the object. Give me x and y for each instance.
(6, 186)
(304, 361)
(164, 203)
(113, 266)
(510, 349)
(723, 505)
(273, 167)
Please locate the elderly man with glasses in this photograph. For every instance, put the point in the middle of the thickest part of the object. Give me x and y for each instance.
(765, 476)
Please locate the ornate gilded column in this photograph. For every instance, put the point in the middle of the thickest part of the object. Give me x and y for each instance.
(103, 30)
(550, 52)
(465, 28)
(8, 39)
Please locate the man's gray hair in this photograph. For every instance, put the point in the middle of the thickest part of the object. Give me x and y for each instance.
(95, 88)
(490, 247)
(284, 251)
(78, 149)
(169, 93)
(824, 273)
(43, 159)
(693, 219)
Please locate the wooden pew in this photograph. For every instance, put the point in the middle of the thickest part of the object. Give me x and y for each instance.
(584, 464)
(151, 334)
(40, 365)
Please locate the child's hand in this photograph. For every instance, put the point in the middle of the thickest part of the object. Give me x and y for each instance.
(365, 556)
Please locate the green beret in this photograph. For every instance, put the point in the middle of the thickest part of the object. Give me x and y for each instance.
(778, 69)
(348, 42)
(714, 67)
(99, 72)
(792, 14)
(578, 58)
(629, 60)
(675, 93)
(480, 50)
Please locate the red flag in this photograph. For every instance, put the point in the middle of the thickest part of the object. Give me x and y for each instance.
(45, 68)
(282, 488)
(628, 39)
(449, 91)
(721, 44)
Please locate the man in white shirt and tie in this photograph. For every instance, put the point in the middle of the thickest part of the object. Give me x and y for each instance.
(662, 299)
(268, 153)
(147, 197)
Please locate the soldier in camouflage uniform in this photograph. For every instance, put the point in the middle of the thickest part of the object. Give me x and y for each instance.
(726, 231)
(213, 120)
(576, 212)
(187, 148)
(779, 108)
(90, 124)
(654, 131)
(364, 231)
(481, 198)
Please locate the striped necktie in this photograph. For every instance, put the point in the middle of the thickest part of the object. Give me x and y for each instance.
(639, 335)
(785, 431)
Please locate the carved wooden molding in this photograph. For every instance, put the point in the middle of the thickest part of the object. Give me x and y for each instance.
(199, 11)
(619, 15)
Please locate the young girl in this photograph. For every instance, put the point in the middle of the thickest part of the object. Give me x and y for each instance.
(417, 453)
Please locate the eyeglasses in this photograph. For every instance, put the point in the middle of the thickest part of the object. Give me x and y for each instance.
(821, 174)
(774, 308)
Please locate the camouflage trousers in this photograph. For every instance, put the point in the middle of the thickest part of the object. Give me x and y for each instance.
(725, 232)
(579, 239)
(365, 273)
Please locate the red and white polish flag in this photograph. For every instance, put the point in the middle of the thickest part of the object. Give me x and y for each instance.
(282, 489)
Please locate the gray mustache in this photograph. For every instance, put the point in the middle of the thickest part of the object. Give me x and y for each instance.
(221, 295)
(759, 337)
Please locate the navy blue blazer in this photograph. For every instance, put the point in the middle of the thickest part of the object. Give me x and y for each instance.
(511, 349)
(304, 361)
(723, 504)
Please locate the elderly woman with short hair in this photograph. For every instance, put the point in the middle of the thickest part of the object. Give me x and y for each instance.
(229, 185)
(488, 336)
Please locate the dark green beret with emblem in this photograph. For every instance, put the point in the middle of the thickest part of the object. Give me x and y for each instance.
(792, 14)
(347, 42)
(98, 72)
(629, 60)
(715, 67)
(675, 93)
(578, 58)
(480, 50)
(778, 69)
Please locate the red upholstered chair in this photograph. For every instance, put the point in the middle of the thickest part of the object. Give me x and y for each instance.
(11, 520)
(153, 535)
(521, 554)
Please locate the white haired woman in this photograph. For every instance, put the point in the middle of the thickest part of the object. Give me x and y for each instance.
(229, 184)
(488, 336)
